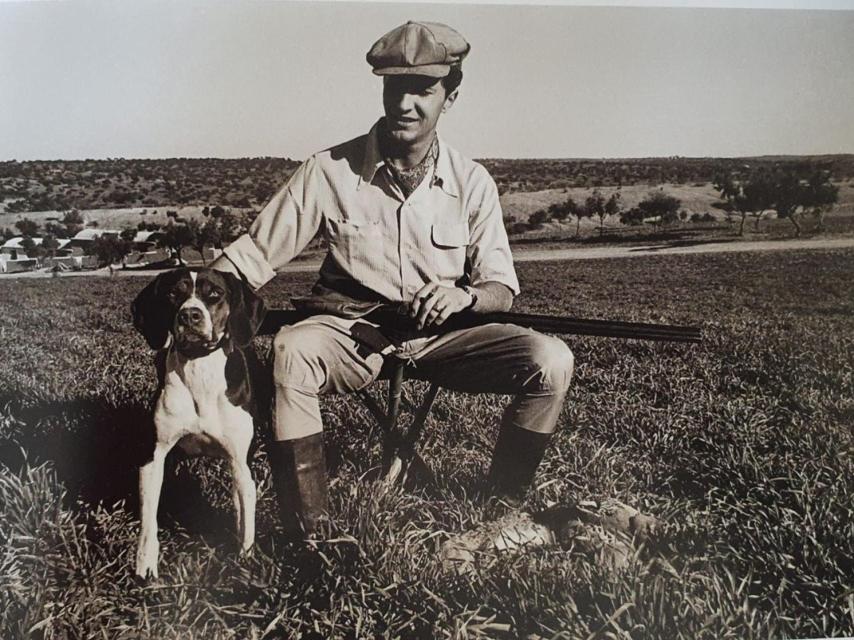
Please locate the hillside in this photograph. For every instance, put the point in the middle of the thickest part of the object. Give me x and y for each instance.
(58, 185)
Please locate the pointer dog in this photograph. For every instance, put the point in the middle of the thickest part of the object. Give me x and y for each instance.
(199, 322)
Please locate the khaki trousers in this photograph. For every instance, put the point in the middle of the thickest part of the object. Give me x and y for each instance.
(318, 356)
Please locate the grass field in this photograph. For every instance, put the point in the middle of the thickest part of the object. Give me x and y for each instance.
(742, 445)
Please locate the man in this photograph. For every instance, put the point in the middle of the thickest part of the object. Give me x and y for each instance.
(407, 220)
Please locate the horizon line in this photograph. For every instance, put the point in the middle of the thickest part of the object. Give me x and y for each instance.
(518, 158)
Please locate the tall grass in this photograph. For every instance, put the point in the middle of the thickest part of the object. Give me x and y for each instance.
(741, 445)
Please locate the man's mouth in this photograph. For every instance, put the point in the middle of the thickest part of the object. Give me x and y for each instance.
(402, 123)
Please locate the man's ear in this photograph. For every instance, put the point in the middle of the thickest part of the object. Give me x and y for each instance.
(450, 99)
(246, 310)
(152, 315)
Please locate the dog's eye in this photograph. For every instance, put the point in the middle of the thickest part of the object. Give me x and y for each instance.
(214, 294)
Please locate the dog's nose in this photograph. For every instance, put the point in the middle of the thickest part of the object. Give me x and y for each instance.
(189, 317)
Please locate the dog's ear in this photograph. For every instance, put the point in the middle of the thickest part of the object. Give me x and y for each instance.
(246, 310)
(152, 315)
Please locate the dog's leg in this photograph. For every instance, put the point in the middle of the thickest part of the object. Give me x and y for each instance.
(244, 488)
(235, 498)
(150, 483)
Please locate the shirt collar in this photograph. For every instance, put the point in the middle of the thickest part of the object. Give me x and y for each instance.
(373, 158)
(443, 176)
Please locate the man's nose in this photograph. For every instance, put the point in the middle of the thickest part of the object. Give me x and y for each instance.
(404, 102)
(190, 316)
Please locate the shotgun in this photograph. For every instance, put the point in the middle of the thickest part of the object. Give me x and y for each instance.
(395, 321)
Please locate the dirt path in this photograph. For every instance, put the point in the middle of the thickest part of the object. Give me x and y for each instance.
(533, 255)
(679, 248)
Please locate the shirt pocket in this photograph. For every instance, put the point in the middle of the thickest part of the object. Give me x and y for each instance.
(352, 228)
(450, 236)
(352, 241)
(447, 254)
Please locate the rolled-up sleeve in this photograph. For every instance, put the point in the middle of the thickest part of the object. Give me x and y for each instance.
(281, 231)
(489, 249)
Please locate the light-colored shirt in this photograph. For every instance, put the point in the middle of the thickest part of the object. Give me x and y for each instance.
(449, 226)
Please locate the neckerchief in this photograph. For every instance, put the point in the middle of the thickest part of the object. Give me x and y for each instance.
(409, 179)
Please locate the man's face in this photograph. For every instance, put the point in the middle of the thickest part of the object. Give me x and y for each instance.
(413, 105)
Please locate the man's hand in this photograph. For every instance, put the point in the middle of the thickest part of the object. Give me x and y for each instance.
(433, 304)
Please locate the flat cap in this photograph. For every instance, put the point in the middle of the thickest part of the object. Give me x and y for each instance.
(418, 48)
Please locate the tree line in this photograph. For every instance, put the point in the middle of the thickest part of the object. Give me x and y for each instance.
(746, 191)
(219, 227)
(658, 208)
(754, 191)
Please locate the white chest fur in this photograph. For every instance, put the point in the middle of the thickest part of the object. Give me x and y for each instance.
(193, 404)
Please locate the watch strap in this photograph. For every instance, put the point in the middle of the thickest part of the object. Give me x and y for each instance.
(473, 293)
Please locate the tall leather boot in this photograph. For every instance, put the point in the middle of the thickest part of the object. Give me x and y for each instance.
(299, 478)
(518, 453)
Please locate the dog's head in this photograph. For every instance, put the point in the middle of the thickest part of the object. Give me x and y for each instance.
(197, 309)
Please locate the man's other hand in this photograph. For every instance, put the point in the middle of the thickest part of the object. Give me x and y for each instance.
(433, 304)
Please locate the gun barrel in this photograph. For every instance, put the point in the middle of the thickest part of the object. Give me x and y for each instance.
(604, 328)
(390, 316)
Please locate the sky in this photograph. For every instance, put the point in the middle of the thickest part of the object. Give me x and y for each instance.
(101, 79)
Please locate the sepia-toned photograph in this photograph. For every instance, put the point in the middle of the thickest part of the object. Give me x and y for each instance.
(356, 320)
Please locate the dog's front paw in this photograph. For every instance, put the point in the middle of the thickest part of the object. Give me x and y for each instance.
(146, 562)
(146, 572)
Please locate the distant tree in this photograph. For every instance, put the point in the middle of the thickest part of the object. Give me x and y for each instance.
(821, 195)
(8, 234)
(539, 217)
(789, 198)
(175, 238)
(231, 226)
(210, 235)
(595, 206)
(793, 196)
(27, 227)
(661, 206)
(632, 217)
(759, 194)
(746, 192)
(128, 234)
(110, 249)
(731, 193)
(73, 222)
(50, 243)
(28, 245)
(562, 210)
(199, 241)
(56, 229)
(612, 208)
(581, 211)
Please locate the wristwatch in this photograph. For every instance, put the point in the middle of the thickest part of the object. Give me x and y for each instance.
(473, 293)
